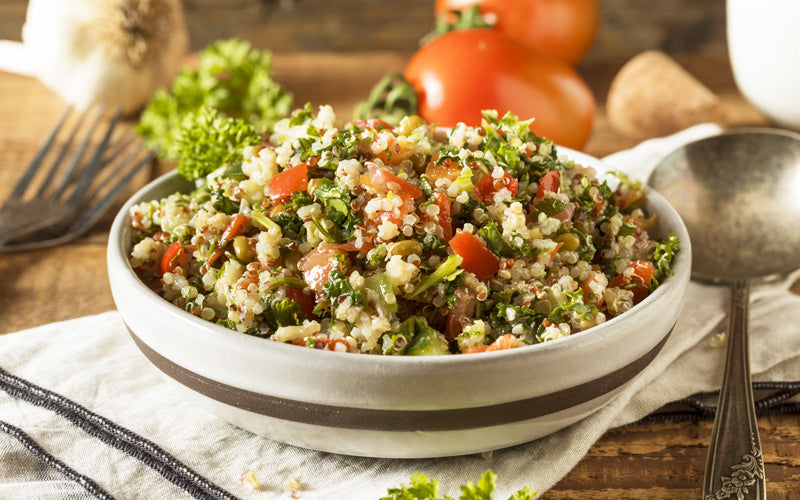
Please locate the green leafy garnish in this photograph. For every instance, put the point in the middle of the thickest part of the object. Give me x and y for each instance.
(286, 312)
(339, 286)
(423, 488)
(662, 258)
(208, 140)
(232, 78)
(626, 229)
(551, 206)
(572, 303)
(494, 240)
(335, 199)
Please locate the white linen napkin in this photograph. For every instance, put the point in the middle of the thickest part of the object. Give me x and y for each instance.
(92, 362)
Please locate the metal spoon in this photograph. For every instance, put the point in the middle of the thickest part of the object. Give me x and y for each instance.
(739, 195)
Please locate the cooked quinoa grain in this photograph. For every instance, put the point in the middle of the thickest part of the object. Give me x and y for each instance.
(402, 240)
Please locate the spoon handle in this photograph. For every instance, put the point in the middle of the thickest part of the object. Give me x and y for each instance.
(734, 467)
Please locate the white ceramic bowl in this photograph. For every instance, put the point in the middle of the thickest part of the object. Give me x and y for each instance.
(386, 406)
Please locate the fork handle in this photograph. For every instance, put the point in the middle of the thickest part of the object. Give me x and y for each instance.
(734, 467)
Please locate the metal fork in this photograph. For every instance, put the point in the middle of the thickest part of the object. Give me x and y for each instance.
(86, 174)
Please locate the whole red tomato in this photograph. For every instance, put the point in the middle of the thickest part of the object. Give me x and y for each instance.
(461, 73)
(562, 28)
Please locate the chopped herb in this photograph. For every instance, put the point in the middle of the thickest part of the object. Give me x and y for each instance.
(286, 312)
(662, 258)
(571, 304)
(222, 203)
(494, 240)
(434, 244)
(626, 229)
(551, 206)
(423, 488)
(338, 287)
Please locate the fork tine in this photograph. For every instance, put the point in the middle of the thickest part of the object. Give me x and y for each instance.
(77, 156)
(50, 176)
(33, 166)
(112, 159)
(90, 217)
(88, 173)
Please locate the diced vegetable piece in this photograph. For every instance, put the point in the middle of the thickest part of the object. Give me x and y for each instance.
(494, 240)
(489, 185)
(462, 312)
(387, 182)
(550, 182)
(303, 300)
(261, 221)
(283, 184)
(317, 265)
(379, 283)
(174, 256)
(236, 226)
(372, 123)
(424, 340)
(637, 282)
(507, 341)
(447, 169)
(445, 269)
(476, 257)
(445, 219)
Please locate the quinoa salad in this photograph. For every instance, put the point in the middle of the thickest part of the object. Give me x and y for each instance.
(402, 240)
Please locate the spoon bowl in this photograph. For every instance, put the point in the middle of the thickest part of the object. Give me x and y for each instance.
(739, 196)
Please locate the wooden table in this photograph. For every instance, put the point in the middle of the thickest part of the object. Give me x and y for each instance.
(653, 461)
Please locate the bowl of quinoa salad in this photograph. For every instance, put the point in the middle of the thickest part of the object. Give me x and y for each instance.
(402, 291)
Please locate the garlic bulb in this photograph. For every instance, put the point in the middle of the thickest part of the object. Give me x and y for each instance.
(116, 52)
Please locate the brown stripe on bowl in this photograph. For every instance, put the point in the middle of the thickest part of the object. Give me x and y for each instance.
(397, 420)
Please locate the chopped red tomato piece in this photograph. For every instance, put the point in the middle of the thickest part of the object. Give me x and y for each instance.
(446, 169)
(489, 185)
(477, 258)
(317, 265)
(372, 123)
(507, 341)
(303, 300)
(475, 349)
(443, 218)
(550, 182)
(589, 296)
(176, 255)
(637, 282)
(283, 184)
(386, 182)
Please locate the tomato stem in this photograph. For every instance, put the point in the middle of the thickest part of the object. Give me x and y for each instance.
(456, 20)
(391, 99)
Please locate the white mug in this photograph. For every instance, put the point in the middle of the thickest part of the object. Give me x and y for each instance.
(764, 50)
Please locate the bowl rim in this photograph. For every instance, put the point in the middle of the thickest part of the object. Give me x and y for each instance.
(681, 266)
